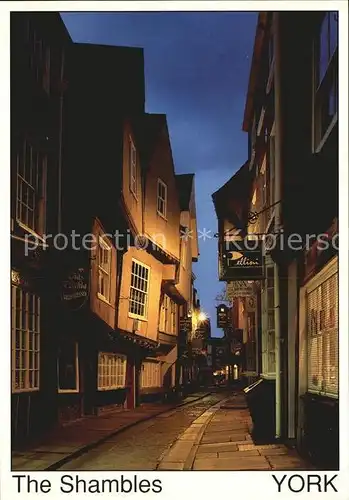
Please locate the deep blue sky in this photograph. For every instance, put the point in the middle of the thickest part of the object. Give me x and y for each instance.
(196, 69)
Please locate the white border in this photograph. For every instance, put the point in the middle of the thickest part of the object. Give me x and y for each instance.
(211, 485)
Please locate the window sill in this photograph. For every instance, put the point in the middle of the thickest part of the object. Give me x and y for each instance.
(162, 216)
(32, 232)
(327, 133)
(104, 389)
(103, 299)
(134, 195)
(268, 376)
(68, 391)
(21, 391)
(135, 316)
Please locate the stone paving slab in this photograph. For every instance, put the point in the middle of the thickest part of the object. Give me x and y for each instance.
(238, 463)
(178, 452)
(207, 454)
(171, 466)
(238, 453)
(282, 450)
(217, 447)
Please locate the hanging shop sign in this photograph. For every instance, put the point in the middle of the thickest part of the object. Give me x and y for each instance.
(241, 260)
(75, 289)
(185, 324)
(222, 316)
(239, 289)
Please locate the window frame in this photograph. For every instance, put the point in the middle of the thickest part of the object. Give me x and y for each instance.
(37, 188)
(77, 377)
(102, 243)
(163, 214)
(39, 60)
(330, 270)
(168, 316)
(133, 168)
(268, 307)
(111, 386)
(156, 375)
(32, 339)
(322, 85)
(146, 293)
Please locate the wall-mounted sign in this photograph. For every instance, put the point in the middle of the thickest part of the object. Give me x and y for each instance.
(241, 260)
(222, 316)
(185, 324)
(75, 289)
(17, 279)
(239, 289)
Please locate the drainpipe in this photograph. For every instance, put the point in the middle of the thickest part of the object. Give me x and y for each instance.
(278, 166)
(59, 225)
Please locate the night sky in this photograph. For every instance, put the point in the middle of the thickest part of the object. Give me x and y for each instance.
(196, 71)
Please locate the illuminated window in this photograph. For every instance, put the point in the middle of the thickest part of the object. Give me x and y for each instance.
(151, 374)
(168, 316)
(139, 290)
(162, 198)
(25, 340)
(322, 318)
(133, 167)
(111, 371)
(104, 269)
(326, 76)
(31, 167)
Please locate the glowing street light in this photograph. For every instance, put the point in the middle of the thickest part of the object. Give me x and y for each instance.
(202, 316)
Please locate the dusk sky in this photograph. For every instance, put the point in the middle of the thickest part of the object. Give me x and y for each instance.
(196, 72)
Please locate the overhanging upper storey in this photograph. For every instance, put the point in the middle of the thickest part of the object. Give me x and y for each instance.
(186, 193)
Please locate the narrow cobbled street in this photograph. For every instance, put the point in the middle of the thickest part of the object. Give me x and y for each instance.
(212, 433)
(142, 446)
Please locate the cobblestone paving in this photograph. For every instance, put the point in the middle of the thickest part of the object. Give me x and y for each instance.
(142, 446)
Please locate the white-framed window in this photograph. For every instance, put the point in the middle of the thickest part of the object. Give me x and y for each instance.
(111, 371)
(104, 269)
(31, 166)
(151, 374)
(25, 340)
(133, 167)
(138, 304)
(68, 366)
(162, 198)
(325, 77)
(268, 324)
(322, 329)
(40, 58)
(168, 315)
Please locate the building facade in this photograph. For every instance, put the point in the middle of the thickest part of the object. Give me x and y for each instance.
(100, 276)
(293, 208)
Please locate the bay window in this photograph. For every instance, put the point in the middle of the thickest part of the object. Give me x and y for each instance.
(139, 290)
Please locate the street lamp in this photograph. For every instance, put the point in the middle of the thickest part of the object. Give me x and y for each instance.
(202, 316)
